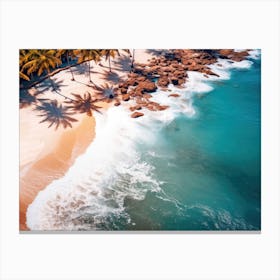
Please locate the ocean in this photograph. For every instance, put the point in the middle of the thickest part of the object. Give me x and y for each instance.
(194, 166)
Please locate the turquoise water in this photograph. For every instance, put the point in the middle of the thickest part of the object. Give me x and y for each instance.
(209, 164)
(194, 166)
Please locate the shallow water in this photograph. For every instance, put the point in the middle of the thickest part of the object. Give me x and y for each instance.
(195, 166)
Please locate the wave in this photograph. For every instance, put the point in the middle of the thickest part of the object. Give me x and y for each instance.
(91, 195)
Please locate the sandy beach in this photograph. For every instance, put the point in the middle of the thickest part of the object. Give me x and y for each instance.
(45, 153)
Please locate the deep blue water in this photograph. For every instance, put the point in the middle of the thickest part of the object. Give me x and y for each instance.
(210, 164)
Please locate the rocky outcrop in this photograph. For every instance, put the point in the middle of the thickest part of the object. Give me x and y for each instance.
(233, 55)
(169, 68)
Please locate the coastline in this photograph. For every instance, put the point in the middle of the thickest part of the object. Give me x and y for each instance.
(126, 93)
(66, 147)
(47, 154)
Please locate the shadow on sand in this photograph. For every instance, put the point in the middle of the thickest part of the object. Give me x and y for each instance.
(123, 63)
(112, 77)
(52, 84)
(55, 114)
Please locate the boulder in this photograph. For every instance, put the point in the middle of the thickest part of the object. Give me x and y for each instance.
(147, 86)
(136, 115)
(136, 107)
(181, 81)
(147, 96)
(174, 95)
(174, 80)
(125, 97)
(226, 52)
(162, 107)
(117, 103)
(163, 81)
(123, 90)
(132, 82)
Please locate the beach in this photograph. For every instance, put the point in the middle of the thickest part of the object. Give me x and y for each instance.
(124, 168)
(45, 153)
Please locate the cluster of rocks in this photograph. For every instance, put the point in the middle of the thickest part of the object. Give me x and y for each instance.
(170, 68)
(233, 55)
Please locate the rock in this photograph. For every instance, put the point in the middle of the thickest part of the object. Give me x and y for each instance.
(141, 79)
(123, 90)
(174, 80)
(181, 81)
(163, 81)
(137, 115)
(117, 103)
(132, 82)
(162, 107)
(147, 95)
(136, 107)
(147, 86)
(132, 75)
(209, 72)
(174, 95)
(226, 52)
(179, 74)
(125, 97)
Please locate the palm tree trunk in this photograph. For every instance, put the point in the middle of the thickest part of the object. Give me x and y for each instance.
(73, 79)
(110, 63)
(89, 72)
(132, 60)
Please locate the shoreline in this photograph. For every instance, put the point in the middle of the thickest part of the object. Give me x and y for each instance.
(55, 163)
(46, 155)
(59, 159)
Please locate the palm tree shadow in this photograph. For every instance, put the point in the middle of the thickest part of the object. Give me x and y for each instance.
(80, 69)
(158, 52)
(50, 85)
(26, 99)
(123, 63)
(55, 114)
(112, 77)
(86, 84)
(83, 69)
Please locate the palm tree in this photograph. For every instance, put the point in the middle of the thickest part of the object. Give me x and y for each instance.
(41, 61)
(110, 53)
(83, 104)
(23, 76)
(87, 56)
(67, 53)
(55, 114)
(23, 58)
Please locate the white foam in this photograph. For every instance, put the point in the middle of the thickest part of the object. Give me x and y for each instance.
(255, 54)
(98, 182)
